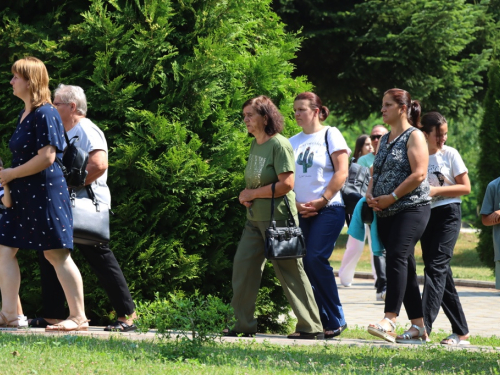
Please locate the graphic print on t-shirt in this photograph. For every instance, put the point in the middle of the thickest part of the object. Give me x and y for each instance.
(255, 165)
(436, 177)
(305, 159)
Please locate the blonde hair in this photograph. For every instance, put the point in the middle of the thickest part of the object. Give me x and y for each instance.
(34, 71)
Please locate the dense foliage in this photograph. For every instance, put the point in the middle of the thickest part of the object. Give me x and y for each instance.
(165, 80)
(489, 163)
(355, 50)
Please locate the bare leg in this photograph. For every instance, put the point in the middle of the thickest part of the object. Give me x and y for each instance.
(19, 306)
(10, 281)
(71, 281)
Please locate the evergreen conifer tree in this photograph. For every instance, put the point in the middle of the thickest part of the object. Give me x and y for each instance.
(489, 163)
(165, 81)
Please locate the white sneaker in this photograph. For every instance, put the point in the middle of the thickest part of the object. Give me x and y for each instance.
(381, 295)
(22, 321)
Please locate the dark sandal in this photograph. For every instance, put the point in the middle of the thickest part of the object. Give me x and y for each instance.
(120, 326)
(329, 334)
(231, 333)
(39, 323)
(307, 336)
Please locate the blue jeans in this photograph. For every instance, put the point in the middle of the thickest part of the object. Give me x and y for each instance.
(321, 233)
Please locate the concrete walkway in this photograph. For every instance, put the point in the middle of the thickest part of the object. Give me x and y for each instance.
(481, 306)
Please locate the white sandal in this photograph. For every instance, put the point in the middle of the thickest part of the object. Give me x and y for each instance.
(383, 333)
(454, 340)
(410, 338)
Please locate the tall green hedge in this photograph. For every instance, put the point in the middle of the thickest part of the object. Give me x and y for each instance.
(489, 163)
(165, 81)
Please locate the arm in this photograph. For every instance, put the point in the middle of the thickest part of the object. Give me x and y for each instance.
(97, 165)
(462, 187)
(491, 219)
(418, 156)
(283, 186)
(44, 159)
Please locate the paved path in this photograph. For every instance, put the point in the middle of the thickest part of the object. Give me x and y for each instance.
(481, 305)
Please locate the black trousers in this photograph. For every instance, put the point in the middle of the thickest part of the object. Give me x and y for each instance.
(438, 242)
(380, 267)
(104, 264)
(399, 234)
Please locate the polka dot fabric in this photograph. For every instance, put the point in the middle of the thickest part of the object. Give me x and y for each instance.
(41, 214)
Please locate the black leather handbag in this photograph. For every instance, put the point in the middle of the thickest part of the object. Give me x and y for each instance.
(90, 219)
(284, 242)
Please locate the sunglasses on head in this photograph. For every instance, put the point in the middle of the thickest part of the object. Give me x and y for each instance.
(373, 137)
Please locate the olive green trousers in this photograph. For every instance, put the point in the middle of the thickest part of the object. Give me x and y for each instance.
(248, 266)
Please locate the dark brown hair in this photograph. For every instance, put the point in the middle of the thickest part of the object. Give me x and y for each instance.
(360, 142)
(413, 109)
(314, 102)
(432, 120)
(265, 107)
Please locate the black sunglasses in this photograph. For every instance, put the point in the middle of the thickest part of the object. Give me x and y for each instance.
(373, 137)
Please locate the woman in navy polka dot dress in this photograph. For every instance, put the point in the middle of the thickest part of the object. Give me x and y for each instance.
(40, 217)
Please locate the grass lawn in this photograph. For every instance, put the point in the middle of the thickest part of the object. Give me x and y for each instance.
(465, 262)
(33, 354)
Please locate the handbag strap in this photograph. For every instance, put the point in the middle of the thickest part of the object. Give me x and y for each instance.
(291, 220)
(90, 193)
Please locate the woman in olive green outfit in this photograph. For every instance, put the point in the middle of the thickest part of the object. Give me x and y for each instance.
(271, 161)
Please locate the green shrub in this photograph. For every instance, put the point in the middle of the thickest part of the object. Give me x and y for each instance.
(192, 321)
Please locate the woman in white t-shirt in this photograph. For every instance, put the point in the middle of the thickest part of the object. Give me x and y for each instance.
(320, 172)
(448, 179)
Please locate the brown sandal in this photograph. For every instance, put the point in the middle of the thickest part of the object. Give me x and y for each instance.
(62, 328)
(7, 325)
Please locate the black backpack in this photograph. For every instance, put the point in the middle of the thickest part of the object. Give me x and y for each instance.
(355, 185)
(74, 163)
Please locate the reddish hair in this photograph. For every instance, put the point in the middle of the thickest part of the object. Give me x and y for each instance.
(265, 107)
(413, 109)
(314, 103)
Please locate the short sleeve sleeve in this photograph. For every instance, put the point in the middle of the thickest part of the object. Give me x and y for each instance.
(489, 200)
(284, 160)
(336, 141)
(49, 128)
(457, 164)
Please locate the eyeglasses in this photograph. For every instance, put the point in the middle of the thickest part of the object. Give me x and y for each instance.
(57, 104)
(373, 137)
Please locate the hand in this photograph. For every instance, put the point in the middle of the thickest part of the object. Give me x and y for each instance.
(6, 176)
(382, 202)
(432, 191)
(246, 197)
(311, 208)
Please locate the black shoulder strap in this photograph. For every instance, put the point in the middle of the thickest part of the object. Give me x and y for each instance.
(328, 149)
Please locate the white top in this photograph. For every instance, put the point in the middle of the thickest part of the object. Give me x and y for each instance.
(92, 138)
(313, 169)
(444, 166)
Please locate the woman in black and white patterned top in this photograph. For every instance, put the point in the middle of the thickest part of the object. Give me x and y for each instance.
(399, 194)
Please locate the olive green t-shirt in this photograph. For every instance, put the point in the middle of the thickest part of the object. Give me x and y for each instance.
(265, 163)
